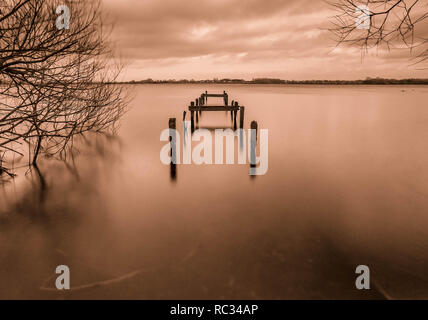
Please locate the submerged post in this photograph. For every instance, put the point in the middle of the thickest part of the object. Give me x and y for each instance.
(192, 117)
(197, 112)
(254, 128)
(172, 138)
(233, 103)
(231, 111)
(241, 117)
(234, 113)
(173, 143)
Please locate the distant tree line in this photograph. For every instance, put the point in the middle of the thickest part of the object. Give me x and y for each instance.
(367, 81)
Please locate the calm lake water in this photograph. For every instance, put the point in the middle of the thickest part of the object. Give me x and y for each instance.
(346, 186)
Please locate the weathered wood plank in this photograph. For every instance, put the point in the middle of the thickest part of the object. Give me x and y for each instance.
(214, 108)
(215, 95)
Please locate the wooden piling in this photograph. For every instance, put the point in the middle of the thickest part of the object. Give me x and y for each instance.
(241, 117)
(254, 126)
(173, 142)
(171, 125)
(192, 117)
(235, 103)
(232, 104)
(197, 112)
(184, 115)
(172, 122)
(254, 129)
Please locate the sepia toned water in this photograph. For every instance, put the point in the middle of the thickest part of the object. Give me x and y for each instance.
(346, 186)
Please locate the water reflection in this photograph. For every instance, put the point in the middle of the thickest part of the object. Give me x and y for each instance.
(41, 178)
(41, 215)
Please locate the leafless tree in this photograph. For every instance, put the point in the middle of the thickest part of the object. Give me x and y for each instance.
(391, 24)
(54, 83)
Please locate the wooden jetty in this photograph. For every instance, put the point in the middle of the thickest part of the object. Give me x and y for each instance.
(196, 108)
(201, 105)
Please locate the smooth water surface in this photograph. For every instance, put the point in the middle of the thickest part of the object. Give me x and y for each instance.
(346, 186)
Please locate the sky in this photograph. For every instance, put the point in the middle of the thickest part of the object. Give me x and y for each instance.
(246, 39)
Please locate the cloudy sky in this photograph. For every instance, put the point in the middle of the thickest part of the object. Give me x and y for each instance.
(205, 39)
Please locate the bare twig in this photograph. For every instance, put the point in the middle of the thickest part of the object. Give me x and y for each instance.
(392, 24)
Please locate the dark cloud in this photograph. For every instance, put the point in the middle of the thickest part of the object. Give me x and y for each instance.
(250, 37)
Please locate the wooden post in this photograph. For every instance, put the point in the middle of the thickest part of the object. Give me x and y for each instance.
(254, 126)
(184, 115)
(254, 129)
(231, 112)
(197, 112)
(235, 113)
(172, 138)
(206, 96)
(226, 98)
(241, 117)
(233, 103)
(172, 122)
(173, 142)
(192, 117)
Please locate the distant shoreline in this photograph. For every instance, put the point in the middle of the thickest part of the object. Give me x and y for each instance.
(268, 81)
(374, 81)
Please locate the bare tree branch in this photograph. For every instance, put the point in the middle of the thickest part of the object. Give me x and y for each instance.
(55, 84)
(392, 24)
